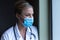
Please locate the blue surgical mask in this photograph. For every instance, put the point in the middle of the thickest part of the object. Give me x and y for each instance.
(28, 22)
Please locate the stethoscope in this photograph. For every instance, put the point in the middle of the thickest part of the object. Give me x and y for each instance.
(31, 34)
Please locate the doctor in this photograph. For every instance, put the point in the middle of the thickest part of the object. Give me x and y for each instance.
(24, 29)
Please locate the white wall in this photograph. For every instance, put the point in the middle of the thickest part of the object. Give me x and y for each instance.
(56, 19)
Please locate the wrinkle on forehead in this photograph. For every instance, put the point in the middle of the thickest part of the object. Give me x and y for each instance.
(28, 10)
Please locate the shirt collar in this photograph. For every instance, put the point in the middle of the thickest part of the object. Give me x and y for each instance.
(28, 29)
(17, 32)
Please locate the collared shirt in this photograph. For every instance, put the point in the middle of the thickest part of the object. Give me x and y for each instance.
(31, 34)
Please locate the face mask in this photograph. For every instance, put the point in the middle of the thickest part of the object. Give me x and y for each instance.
(28, 22)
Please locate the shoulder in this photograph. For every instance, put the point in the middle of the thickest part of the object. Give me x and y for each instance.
(34, 29)
(7, 33)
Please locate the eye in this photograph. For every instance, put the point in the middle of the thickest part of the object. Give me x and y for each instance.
(27, 15)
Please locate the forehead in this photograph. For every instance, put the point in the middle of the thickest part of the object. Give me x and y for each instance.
(28, 10)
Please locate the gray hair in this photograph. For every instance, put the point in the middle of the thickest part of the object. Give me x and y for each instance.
(20, 5)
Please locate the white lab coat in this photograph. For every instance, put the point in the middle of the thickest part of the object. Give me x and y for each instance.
(9, 34)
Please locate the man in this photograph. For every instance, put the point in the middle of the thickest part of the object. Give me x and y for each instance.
(24, 29)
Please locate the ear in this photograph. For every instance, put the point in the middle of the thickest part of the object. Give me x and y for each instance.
(17, 16)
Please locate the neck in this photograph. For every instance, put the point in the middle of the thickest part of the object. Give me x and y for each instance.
(22, 30)
(21, 27)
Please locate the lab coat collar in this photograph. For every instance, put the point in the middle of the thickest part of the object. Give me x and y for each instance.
(17, 32)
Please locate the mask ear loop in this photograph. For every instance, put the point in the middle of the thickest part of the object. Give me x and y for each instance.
(32, 34)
